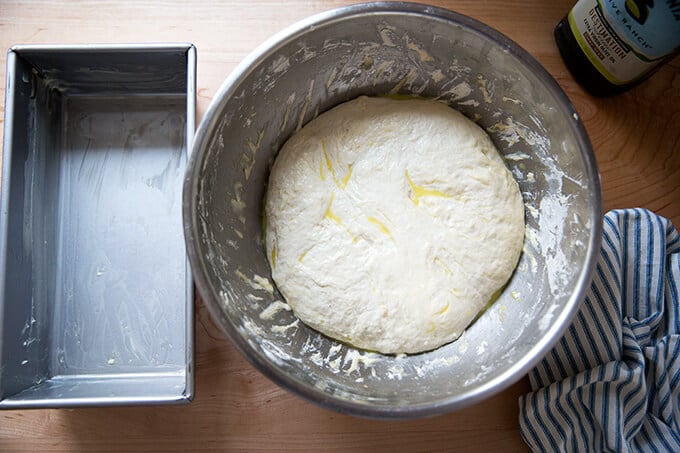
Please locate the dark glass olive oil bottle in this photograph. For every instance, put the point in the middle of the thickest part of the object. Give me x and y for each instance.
(610, 46)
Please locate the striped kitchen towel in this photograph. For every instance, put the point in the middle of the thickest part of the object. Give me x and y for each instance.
(612, 383)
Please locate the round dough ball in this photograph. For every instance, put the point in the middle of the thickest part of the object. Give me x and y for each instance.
(391, 223)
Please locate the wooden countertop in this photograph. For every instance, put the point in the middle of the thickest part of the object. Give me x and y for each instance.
(636, 137)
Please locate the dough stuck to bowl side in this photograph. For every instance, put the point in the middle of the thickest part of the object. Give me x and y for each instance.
(391, 223)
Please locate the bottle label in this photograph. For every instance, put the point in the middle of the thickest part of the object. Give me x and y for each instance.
(625, 39)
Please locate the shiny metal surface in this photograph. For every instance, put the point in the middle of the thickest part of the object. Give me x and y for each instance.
(96, 297)
(377, 49)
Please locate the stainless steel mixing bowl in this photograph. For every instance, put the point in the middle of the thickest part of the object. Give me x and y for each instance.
(377, 49)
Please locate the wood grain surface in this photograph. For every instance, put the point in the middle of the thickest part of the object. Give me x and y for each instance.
(636, 137)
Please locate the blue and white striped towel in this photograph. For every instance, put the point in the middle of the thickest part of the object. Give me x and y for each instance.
(612, 383)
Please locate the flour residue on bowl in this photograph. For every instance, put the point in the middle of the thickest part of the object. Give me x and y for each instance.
(256, 282)
(248, 159)
(272, 309)
(387, 33)
(339, 358)
(406, 80)
(513, 132)
(286, 114)
(305, 106)
(423, 55)
(484, 88)
(545, 234)
(285, 328)
(458, 92)
(376, 66)
(280, 64)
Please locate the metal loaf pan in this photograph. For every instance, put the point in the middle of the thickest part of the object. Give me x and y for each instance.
(96, 296)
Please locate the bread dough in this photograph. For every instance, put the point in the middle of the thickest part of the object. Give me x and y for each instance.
(391, 223)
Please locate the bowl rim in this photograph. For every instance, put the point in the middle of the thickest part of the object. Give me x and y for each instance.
(209, 294)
